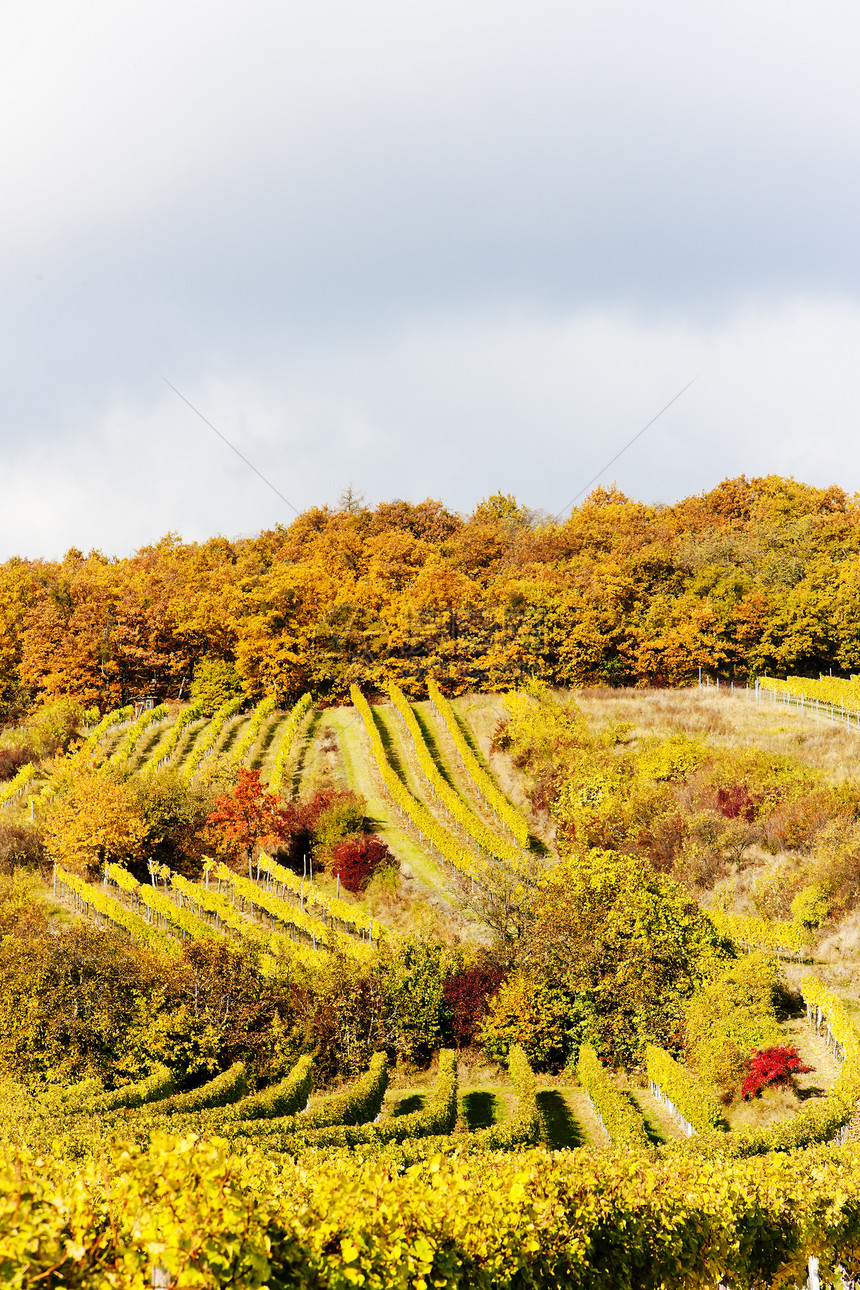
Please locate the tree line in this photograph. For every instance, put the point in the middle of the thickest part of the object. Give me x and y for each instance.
(756, 575)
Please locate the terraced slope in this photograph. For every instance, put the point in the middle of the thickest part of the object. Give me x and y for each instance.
(356, 769)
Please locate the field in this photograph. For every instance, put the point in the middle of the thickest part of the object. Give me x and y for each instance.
(230, 1052)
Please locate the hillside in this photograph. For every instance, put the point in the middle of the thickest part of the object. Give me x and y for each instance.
(410, 932)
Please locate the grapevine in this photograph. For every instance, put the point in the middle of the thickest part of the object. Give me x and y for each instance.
(356, 1104)
(620, 1122)
(160, 905)
(227, 915)
(19, 781)
(284, 744)
(204, 1216)
(438, 1116)
(296, 919)
(171, 736)
(331, 907)
(208, 736)
(250, 734)
(456, 855)
(507, 813)
(93, 897)
(451, 800)
(829, 696)
(676, 1084)
(759, 934)
(114, 718)
(130, 740)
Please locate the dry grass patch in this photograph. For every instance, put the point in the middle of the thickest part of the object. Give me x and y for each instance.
(727, 719)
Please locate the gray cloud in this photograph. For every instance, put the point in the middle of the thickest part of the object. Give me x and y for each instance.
(435, 248)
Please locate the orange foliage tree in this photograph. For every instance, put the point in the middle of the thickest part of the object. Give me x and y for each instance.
(248, 817)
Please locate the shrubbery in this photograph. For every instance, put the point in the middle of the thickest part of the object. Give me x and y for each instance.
(732, 1014)
(12, 759)
(767, 1066)
(21, 847)
(356, 860)
(215, 683)
(467, 993)
(532, 1013)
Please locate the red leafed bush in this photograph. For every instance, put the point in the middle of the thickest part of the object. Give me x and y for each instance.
(466, 995)
(12, 759)
(357, 859)
(768, 1066)
(735, 803)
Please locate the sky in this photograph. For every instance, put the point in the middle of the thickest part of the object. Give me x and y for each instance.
(426, 249)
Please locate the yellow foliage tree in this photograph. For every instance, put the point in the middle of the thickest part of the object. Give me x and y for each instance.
(95, 819)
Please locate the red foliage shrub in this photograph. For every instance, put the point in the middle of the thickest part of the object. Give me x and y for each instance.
(357, 859)
(663, 841)
(21, 846)
(736, 802)
(12, 759)
(793, 825)
(302, 819)
(466, 995)
(768, 1066)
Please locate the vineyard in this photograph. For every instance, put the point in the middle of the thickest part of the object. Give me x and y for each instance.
(460, 1105)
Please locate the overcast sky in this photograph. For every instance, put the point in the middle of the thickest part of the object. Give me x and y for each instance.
(432, 249)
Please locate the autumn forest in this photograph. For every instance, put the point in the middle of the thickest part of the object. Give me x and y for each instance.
(755, 576)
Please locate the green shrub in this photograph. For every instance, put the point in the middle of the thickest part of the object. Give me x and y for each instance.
(810, 906)
(215, 683)
(343, 818)
(52, 728)
(530, 1012)
(672, 757)
(729, 1017)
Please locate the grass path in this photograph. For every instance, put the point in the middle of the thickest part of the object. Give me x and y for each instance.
(583, 1114)
(482, 1107)
(229, 733)
(265, 738)
(147, 741)
(112, 738)
(187, 740)
(660, 1124)
(562, 1128)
